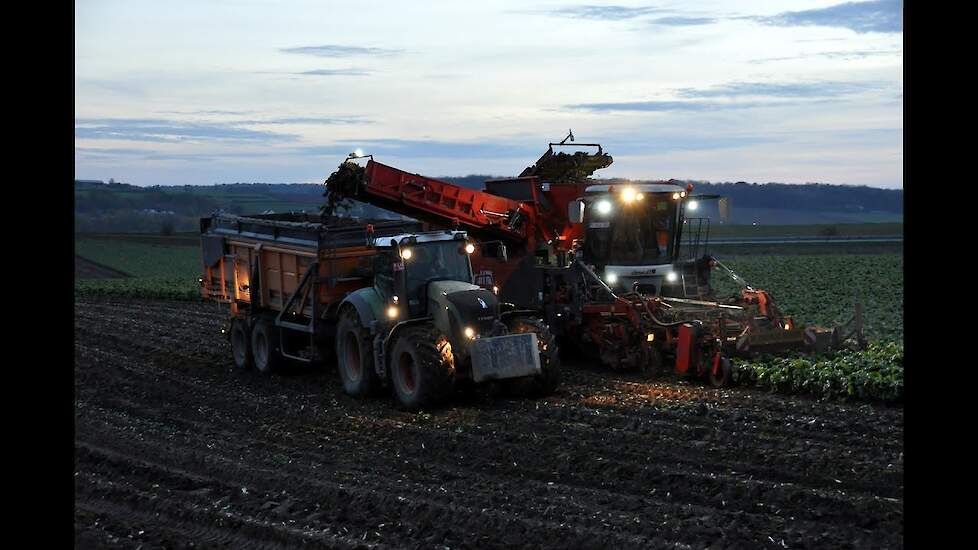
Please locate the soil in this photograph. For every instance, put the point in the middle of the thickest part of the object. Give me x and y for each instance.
(174, 448)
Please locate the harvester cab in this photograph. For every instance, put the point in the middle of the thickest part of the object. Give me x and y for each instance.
(429, 327)
(632, 236)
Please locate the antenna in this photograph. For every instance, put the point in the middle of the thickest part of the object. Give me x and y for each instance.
(570, 136)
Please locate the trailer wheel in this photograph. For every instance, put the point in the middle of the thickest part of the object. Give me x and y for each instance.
(265, 346)
(549, 380)
(241, 345)
(422, 368)
(724, 374)
(354, 356)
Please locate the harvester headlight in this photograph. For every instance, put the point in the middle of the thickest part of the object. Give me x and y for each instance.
(604, 207)
(611, 278)
(495, 290)
(675, 196)
(628, 194)
(392, 312)
(671, 276)
(469, 248)
(640, 196)
(649, 337)
(469, 333)
(407, 253)
(693, 205)
(682, 194)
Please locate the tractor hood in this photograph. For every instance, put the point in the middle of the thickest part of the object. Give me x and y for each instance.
(456, 305)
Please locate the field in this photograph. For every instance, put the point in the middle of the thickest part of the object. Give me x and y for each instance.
(174, 447)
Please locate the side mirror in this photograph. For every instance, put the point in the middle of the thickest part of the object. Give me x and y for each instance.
(575, 211)
(501, 253)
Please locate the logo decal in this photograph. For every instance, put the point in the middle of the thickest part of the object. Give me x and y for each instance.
(482, 303)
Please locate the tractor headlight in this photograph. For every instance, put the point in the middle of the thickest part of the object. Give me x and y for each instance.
(693, 205)
(675, 196)
(628, 194)
(469, 248)
(603, 206)
(672, 277)
(469, 333)
(610, 278)
(407, 253)
(392, 312)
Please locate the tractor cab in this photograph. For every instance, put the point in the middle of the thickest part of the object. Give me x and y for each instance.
(632, 235)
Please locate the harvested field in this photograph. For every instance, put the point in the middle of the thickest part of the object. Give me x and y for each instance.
(88, 269)
(174, 448)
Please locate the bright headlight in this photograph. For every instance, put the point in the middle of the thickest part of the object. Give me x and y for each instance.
(392, 312)
(693, 205)
(469, 248)
(628, 194)
(406, 253)
(603, 207)
(469, 332)
(610, 278)
(671, 276)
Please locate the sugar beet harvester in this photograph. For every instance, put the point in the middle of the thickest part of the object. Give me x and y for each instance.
(620, 270)
(396, 303)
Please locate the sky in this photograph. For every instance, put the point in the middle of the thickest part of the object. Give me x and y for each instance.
(176, 93)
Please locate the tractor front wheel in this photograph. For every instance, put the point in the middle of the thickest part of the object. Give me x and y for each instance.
(422, 368)
(548, 380)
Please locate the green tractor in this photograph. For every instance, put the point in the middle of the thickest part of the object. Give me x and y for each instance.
(423, 329)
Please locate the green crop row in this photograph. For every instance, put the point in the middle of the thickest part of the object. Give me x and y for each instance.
(875, 373)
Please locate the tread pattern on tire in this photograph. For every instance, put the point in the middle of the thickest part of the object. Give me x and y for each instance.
(432, 354)
(370, 382)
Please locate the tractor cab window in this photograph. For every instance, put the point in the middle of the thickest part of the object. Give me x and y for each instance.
(383, 274)
(442, 260)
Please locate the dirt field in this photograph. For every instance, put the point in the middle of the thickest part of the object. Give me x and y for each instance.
(175, 449)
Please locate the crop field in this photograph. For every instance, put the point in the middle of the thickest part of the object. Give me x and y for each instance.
(174, 447)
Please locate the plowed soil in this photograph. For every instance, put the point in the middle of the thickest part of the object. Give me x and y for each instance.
(176, 449)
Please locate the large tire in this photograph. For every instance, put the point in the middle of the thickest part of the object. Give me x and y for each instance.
(241, 345)
(265, 347)
(355, 356)
(422, 368)
(549, 379)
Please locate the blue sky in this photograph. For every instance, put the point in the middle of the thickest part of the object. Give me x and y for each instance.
(224, 91)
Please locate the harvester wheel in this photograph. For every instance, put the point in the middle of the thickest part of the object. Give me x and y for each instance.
(265, 346)
(549, 380)
(241, 345)
(354, 356)
(724, 374)
(422, 368)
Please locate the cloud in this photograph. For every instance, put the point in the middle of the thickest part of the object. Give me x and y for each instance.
(332, 50)
(160, 130)
(781, 90)
(605, 13)
(680, 21)
(334, 72)
(844, 55)
(659, 106)
(861, 17)
(305, 120)
(427, 149)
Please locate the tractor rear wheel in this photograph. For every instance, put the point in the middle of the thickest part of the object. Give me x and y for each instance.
(724, 374)
(265, 346)
(549, 379)
(422, 368)
(354, 356)
(241, 345)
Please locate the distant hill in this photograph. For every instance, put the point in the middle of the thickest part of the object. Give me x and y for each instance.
(120, 207)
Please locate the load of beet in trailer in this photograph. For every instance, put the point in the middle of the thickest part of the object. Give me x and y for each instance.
(394, 304)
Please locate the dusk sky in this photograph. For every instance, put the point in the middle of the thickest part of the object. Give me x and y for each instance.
(246, 91)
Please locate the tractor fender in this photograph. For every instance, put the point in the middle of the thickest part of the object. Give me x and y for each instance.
(368, 305)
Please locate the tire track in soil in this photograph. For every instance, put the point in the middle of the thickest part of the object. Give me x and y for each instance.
(610, 461)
